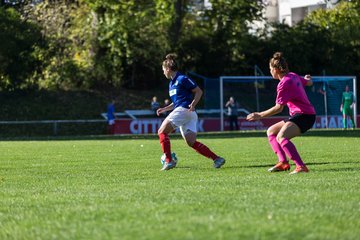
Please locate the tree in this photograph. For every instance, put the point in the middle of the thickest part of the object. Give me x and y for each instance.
(102, 44)
(66, 59)
(318, 44)
(18, 41)
(134, 35)
(342, 25)
(216, 41)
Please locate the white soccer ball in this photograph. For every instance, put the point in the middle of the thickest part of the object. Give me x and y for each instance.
(173, 156)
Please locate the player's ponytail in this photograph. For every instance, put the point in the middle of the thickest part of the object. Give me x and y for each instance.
(170, 62)
(278, 61)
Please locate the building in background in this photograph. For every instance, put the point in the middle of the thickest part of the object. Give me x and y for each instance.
(291, 12)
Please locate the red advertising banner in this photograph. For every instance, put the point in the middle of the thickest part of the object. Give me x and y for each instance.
(151, 125)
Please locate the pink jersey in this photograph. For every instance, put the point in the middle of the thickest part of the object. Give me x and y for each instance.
(290, 91)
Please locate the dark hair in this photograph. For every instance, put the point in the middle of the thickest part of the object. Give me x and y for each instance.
(278, 61)
(170, 62)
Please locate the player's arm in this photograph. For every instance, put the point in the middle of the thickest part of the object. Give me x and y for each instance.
(165, 109)
(267, 113)
(308, 79)
(197, 95)
(353, 101)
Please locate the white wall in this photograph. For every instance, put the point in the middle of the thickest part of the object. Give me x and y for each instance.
(304, 3)
(287, 7)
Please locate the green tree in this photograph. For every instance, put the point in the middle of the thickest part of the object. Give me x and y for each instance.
(18, 40)
(216, 40)
(102, 44)
(66, 58)
(133, 38)
(317, 45)
(137, 35)
(342, 25)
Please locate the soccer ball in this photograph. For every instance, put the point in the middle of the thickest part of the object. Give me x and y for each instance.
(173, 156)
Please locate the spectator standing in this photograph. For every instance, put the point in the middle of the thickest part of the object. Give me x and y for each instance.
(155, 105)
(233, 106)
(110, 115)
(166, 103)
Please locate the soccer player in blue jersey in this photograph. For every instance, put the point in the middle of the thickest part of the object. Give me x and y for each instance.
(184, 94)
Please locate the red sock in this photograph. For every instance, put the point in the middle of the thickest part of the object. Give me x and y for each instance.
(204, 150)
(165, 145)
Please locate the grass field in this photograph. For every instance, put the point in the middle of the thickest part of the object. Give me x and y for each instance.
(111, 188)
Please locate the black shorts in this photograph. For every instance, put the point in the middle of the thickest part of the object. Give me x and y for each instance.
(303, 121)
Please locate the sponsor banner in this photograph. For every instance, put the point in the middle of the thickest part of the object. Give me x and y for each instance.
(151, 125)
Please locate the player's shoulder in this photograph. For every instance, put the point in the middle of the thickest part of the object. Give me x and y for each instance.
(182, 78)
(288, 78)
(291, 78)
(285, 83)
(294, 76)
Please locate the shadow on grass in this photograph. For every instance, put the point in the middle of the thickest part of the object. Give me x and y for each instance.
(308, 164)
(340, 169)
(325, 163)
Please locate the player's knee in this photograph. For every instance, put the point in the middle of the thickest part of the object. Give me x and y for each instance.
(280, 137)
(270, 132)
(161, 130)
(190, 143)
(190, 138)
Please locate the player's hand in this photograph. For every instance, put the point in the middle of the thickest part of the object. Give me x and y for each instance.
(253, 116)
(307, 77)
(191, 108)
(159, 111)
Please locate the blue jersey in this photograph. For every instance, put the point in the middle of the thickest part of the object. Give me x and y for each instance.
(180, 90)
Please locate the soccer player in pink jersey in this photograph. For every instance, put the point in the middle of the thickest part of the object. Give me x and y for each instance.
(290, 92)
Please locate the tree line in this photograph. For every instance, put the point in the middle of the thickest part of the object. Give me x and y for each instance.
(93, 44)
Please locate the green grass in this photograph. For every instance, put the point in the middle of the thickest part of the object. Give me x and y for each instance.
(112, 188)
